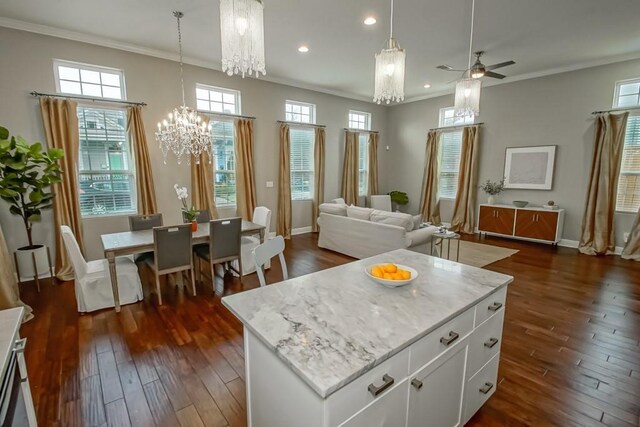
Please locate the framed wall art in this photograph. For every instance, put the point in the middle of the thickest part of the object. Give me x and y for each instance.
(529, 168)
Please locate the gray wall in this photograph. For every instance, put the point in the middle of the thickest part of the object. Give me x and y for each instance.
(28, 66)
(552, 110)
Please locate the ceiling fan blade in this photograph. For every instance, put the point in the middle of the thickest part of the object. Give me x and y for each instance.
(445, 67)
(500, 65)
(494, 75)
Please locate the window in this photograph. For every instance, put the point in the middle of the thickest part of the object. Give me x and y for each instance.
(363, 163)
(224, 166)
(299, 112)
(302, 141)
(359, 120)
(217, 99)
(89, 80)
(105, 170)
(627, 94)
(449, 152)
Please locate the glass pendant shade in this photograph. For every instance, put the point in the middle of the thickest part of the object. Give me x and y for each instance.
(242, 35)
(467, 99)
(389, 74)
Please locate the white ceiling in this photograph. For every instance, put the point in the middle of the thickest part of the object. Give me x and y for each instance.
(542, 36)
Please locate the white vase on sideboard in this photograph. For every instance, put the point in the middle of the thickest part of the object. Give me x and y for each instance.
(491, 200)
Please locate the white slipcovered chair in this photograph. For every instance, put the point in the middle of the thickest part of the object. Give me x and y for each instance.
(263, 253)
(381, 202)
(93, 281)
(262, 216)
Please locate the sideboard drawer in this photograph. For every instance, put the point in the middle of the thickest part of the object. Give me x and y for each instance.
(440, 340)
(353, 397)
(480, 387)
(490, 306)
(485, 343)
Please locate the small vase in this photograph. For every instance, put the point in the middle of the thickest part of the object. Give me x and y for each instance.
(491, 200)
(194, 226)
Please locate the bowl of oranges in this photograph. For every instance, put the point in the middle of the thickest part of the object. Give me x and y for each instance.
(391, 275)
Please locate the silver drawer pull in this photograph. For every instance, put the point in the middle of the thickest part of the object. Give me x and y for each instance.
(417, 383)
(495, 306)
(486, 388)
(20, 345)
(451, 338)
(491, 342)
(376, 391)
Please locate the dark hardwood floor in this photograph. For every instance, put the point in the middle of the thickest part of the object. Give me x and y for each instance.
(570, 354)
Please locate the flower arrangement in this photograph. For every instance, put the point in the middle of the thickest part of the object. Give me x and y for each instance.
(189, 213)
(492, 188)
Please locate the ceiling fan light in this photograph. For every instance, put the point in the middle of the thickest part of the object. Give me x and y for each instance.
(476, 74)
(467, 99)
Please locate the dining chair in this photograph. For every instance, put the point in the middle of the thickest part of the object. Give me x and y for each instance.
(261, 216)
(201, 216)
(144, 222)
(92, 280)
(172, 253)
(224, 247)
(263, 254)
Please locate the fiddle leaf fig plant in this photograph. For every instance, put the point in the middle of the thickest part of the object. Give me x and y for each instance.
(26, 175)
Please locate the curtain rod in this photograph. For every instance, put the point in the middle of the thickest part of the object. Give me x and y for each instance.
(233, 116)
(86, 98)
(457, 127)
(360, 130)
(616, 109)
(301, 124)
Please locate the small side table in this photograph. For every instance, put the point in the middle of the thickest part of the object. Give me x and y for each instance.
(448, 237)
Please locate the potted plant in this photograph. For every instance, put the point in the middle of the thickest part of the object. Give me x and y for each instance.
(26, 175)
(398, 198)
(190, 214)
(492, 189)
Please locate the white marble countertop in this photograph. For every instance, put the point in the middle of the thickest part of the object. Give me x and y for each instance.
(10, 321)
(332, 326)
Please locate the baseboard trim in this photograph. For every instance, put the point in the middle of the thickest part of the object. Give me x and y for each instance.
(574, 244)
(301, 230)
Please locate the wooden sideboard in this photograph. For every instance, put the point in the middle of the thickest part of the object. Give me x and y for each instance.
(530, 223)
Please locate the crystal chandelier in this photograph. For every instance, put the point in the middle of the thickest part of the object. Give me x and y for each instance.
(389, 74)
(467, 98)
(183, 132)
(242, 35)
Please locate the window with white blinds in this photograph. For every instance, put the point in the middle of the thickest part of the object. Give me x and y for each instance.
(89, 80)
(224, 165)
(627, 94)
(363, 163)
(449, 152)
(106, 168)
(301, 143)
(217, 99)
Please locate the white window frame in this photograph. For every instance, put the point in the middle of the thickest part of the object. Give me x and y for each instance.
(89, 67)
(363, 187)
(352, 123)
(312, 111)
(634, 114)
(213, 118)
(223, 91)
(616, 92)
(454, 123)
(311, 163)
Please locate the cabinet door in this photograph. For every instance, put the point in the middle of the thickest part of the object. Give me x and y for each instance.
(435, 392)
(496, 220)
(486, 219)
(388, 410)
(536, 224)
(547, 225)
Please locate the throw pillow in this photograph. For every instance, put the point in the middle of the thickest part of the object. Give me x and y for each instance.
(333, 209)
(339, 201)
(358, 212)
(417, 221)
(393, 218)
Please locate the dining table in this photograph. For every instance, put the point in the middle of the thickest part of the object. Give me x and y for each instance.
(134, 242)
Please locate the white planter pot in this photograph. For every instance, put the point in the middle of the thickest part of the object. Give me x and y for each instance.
(491, 200)
(25, 262)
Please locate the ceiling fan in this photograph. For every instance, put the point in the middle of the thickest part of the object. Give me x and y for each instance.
(478, 69)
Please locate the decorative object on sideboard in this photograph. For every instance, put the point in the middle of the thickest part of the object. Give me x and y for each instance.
(529, 168)
(551, 205)
(189, 213)
(520, 203)
(26, 175)
(492, 189)
(398, 198)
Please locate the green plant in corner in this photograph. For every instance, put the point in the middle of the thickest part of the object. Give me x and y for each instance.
(26, 175)
(399, 197)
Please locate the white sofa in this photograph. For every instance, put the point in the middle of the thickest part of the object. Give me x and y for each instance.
(362, 238)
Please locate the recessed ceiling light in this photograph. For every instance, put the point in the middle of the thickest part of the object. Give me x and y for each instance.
(427, 86)
(303, 49)
(370, 20)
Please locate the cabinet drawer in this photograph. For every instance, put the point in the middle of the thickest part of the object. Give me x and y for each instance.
(485, 343)
(353, 397)
(490, 306)
(480, 387)
(434, 344)
(390, 410)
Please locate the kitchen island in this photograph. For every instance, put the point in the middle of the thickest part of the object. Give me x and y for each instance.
(333, 348)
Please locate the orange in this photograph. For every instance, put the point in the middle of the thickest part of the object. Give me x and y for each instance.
(390, 268)
(377, 271)
(388, 276)
(405, 274)
(397, 276)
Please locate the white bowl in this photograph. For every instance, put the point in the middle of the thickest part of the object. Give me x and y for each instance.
(392, 283)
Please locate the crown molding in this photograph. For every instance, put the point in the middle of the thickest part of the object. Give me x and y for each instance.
(157, 53)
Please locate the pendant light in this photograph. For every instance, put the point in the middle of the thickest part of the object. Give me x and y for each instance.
(389, 71)
(242, 36)
(183, 132)
(467, 98)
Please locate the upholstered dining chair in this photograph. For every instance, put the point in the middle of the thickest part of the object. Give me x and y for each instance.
(261, 216)
(172, 253)
(224, 247)
(93, 280)
(144, 222)
(201, 217)
(263, 254)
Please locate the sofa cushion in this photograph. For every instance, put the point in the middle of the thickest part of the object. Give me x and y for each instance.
(333, 209)
(422, 235)
(393, 218)
(417, 221)
(359, 213)
(339, 201)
